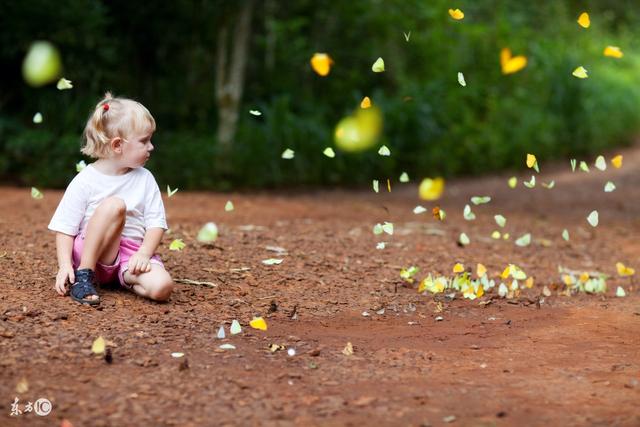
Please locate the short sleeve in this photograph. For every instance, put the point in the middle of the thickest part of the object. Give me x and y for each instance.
(154, 215)
(70, 212)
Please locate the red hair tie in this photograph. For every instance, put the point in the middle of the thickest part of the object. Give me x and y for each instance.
(105, 107)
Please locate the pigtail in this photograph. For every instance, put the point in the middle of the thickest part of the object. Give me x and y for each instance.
(96, 140)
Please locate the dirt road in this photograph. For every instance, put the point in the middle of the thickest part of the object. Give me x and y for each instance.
(417, 359)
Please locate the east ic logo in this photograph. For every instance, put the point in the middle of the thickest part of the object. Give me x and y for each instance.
(42, 407)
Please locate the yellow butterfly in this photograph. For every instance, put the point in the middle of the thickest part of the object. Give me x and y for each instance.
(366, 102)
(623, 270)
(529, 282)
(98, 346)
(511, 64)
(431, 189)
(456, 14)
(583, 20)
(481, 270)
(613, 52)
(321, 63)
(458, 268)
(258, 323)
(617, 161)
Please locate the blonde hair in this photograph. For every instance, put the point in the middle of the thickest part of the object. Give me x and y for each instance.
(114, 117)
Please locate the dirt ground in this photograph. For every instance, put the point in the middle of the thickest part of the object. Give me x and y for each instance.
(532, 360)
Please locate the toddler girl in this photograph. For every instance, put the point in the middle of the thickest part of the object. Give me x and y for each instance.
(111, 219)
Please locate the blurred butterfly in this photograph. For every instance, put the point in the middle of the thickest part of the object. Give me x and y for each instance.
(321, 63)
(36, 194)
(584, 20)
(64, 84)
(171, 192)
(329, 152)
(288, 154)
(617, 161)
(438, 213)
(580, 72)
(177, 245)
(384, 151)
(511, 64)
(456, 14)
(624, 270)
(378, 66)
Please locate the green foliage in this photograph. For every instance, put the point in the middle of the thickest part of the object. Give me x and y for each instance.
(165, 57)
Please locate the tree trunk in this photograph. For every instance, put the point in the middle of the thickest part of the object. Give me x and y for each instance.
(230, 70)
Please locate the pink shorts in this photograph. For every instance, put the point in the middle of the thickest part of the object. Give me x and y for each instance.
(111, 273)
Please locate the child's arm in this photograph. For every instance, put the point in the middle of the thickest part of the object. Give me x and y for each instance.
(139, 262)
(64, 249)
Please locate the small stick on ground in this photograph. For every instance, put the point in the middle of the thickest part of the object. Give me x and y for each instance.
(196, 282)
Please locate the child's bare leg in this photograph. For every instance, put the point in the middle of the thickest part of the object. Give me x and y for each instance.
(155, 284)
(102, 235)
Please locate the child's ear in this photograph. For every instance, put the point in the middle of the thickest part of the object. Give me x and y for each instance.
(116, 145)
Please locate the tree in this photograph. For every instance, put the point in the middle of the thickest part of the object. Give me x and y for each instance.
(231, 61)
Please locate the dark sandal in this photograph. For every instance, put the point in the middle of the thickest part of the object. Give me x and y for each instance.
(84, 287)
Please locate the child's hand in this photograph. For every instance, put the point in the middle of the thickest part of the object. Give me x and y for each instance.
(65, 275)
(139, 263)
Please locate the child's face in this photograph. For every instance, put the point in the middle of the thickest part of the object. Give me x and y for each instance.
(136, 149)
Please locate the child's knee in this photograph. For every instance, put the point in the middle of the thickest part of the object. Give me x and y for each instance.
(162, 291)
(113, 206)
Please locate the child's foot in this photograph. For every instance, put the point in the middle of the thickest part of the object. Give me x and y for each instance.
(83, 290)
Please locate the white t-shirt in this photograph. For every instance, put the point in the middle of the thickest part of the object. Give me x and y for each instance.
(137, 188)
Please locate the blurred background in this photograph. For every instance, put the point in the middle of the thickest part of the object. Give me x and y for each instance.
(201, 66)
